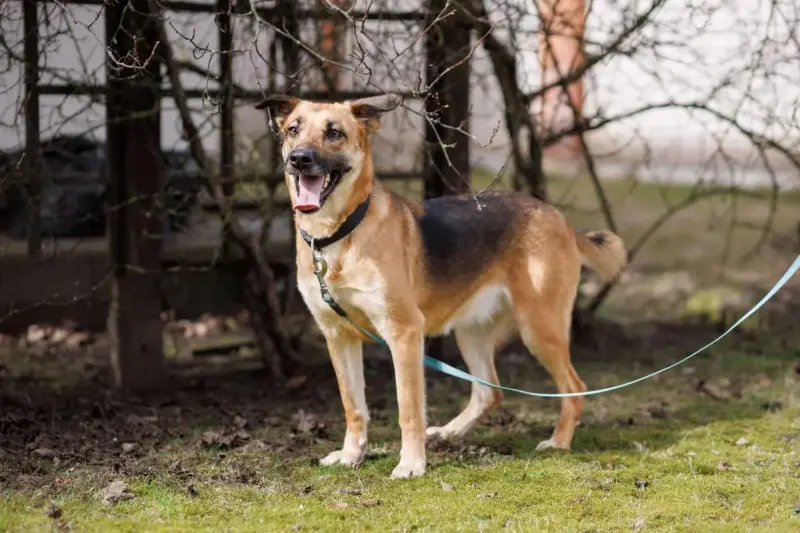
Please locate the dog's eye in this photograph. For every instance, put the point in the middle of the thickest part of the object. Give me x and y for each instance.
(334, 135)
(291, 131)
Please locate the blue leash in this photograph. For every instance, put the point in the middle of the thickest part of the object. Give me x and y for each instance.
(320, 267)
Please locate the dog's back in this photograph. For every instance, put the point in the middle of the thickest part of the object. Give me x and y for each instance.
(463, 235)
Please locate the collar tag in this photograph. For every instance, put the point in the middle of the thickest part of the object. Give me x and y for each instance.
(320, 269)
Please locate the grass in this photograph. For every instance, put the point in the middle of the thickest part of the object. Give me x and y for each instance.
(712, 446)
(655, 457)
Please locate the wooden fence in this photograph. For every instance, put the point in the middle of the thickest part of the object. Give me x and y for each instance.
(122, 277)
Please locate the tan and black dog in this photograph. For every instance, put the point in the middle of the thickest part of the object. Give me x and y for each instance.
(481, 267)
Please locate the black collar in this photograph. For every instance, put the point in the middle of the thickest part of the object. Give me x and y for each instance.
(344, 230)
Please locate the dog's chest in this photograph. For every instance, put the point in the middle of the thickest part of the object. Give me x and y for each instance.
(355, 283)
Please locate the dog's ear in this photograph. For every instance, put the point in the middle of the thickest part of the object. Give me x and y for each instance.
(279, 106)
(369, 110)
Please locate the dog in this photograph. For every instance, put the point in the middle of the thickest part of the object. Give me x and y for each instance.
(482, 266)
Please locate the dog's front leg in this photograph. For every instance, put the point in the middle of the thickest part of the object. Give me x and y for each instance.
(407, 347)
(346, 355)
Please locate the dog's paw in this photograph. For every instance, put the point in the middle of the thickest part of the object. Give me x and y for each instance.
(550, 444)
(441, 433)
(343, 457)
(408, 468)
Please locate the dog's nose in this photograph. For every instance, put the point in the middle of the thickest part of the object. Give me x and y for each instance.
(302, 158)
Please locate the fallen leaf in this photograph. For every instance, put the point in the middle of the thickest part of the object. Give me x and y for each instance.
(724, 465)
(44, 452)
(488, 495)
(52, 511)
(211, 437)
(239, 421)
(371, 503)
(296, 382)
(191, 490)
(297, 527)
(742, 441)
(339, 505)
(116, 492)
(78, 339)
(128, 447)
(224, 440)
(713, 390)
(639, 447)
(642, 483)
(305, 423)
(447, 487)
(638, 523)
(762, 381)
(35, 334)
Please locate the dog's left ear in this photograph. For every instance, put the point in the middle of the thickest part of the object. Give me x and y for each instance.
(279, 106)
(369, 110)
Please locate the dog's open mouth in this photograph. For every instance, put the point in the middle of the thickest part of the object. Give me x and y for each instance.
(312, 190)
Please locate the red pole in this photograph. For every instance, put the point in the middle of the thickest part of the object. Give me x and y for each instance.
(330, 47)
(561, 52)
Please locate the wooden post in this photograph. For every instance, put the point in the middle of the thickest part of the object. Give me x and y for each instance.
(33, 159)
(227, 144)
(134, 169)
(561, 52)
(447, 74)
(447, 166)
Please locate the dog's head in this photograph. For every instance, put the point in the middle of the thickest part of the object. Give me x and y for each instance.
(326, 146)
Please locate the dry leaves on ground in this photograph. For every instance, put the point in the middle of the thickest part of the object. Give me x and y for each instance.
(116, 492)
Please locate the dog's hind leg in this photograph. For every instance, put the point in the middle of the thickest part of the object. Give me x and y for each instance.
(543, 312)
(477, 346)
(347, 358)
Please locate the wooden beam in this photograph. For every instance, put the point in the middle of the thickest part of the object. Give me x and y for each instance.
(33, 160)
(227, 144)
(243, 8)
(447, 73)
(254, 95)
(134, 214)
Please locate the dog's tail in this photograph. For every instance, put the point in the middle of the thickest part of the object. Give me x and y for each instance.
(603, 251)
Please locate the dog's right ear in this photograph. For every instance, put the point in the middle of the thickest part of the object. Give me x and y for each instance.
(279, 106)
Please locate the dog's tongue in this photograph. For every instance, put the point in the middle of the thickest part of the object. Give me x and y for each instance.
(309, 191)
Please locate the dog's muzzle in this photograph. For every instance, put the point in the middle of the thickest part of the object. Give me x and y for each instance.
(315, 177)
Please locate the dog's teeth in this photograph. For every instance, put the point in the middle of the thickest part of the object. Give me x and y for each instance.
(326, 180)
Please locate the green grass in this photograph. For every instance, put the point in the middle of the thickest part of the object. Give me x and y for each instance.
(682, 443)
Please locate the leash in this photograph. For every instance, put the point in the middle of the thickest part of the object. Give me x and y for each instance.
(321, 268)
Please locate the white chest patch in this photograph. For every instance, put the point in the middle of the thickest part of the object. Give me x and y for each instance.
(482, 308)
(366, 294)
